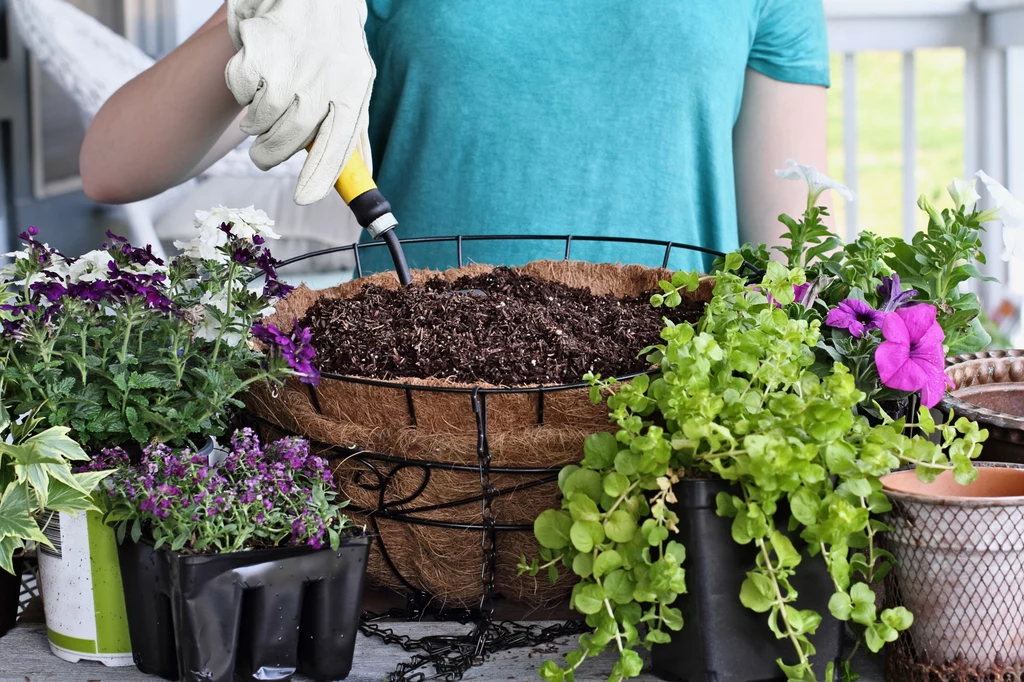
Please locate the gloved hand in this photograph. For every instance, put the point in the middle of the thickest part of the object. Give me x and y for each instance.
(302, 66)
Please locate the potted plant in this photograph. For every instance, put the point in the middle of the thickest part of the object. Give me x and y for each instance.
(242, 567)
(125, 351)
(35, 474)
(766, 422)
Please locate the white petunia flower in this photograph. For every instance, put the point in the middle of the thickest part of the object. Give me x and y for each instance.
(964, 193)
(1010, 212)
(817, 182)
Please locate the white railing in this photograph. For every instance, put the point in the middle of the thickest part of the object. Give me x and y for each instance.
(991, 32)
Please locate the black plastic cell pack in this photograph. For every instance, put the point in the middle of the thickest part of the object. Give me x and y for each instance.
(722, 640)
(260, 615)
(10, 594)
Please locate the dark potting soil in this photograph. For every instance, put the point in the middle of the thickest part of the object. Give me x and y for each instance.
(503, 328)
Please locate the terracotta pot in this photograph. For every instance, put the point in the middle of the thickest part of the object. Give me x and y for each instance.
(990, 391)
(960, 564)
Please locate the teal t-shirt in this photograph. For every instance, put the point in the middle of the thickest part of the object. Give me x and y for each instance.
(583, 117)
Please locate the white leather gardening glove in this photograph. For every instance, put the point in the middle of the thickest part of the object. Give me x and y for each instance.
(302, 66)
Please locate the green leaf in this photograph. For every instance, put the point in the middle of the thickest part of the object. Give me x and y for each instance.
(787, 554)
(552, 529)
(583, 565)
(615, 484)
(583, 508)
(54, 442)
(39, 480)
(975, 339)
(630, 663)
(550, 672)
(29, 454)
(599, 450)
(627, 463)
(15, 520)
(586, 534)
(757, 593)
(804, 505)
(8, 546)
(840, 605)
(589, 599)
(619, 585)
(584, 481)
(70, 500)
(620, 526)
(898, 618)
(657, 637)
(607, 561)
(677, 551)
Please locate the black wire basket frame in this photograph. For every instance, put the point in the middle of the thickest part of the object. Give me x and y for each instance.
(452, 656)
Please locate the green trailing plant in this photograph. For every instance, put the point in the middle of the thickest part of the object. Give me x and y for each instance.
(735, 397)
(36, 475)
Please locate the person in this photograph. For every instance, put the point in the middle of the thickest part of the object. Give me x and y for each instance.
(658, 119)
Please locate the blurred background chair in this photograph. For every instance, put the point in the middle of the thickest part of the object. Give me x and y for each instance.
(89, 62)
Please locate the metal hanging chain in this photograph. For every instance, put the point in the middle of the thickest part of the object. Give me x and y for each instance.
(451, 656)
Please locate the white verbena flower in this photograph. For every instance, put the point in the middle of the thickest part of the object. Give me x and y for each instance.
(817, 182)
(251, 221)
(90, 267)
(209, 326)
(964, 193)
(246, 223)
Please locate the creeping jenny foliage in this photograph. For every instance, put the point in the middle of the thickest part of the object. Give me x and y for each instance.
(735, 397)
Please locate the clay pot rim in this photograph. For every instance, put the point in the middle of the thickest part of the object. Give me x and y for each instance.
(975, 412)
(954, 500)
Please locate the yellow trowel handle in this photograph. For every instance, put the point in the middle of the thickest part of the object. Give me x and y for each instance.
(372, 210)
(357, 188)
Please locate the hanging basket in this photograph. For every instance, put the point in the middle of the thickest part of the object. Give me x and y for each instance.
(445, 472)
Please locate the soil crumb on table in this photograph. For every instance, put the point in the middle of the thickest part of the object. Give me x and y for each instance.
(504, 328)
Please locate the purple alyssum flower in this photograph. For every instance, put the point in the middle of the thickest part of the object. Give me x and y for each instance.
(176, 493)
(855, 316)
(911, 358)
(890, 295)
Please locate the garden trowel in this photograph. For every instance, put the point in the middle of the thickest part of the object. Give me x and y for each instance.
(372, 210)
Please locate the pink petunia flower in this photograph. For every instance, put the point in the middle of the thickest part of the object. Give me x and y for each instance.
(857, 317)
(911, 357)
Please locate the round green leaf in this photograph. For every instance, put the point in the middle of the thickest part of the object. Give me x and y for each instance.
(584, 481)
(620, 526)
(599, 450)
(583, 565)
(607, 562)
(552, 529)
(586, 534)
(615, 484)
(589, 599)
(618, 585)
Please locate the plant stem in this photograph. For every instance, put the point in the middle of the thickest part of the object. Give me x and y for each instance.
(781, 601)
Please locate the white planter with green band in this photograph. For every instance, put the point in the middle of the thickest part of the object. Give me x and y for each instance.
(82, 594)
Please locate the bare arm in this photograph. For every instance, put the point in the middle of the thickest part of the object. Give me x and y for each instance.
(167, 124)
(777, 121)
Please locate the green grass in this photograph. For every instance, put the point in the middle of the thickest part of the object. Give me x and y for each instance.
(940, 139)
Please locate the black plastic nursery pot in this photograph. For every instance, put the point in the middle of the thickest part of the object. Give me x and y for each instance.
(10, 593)
(721, 640)
(257, 615)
